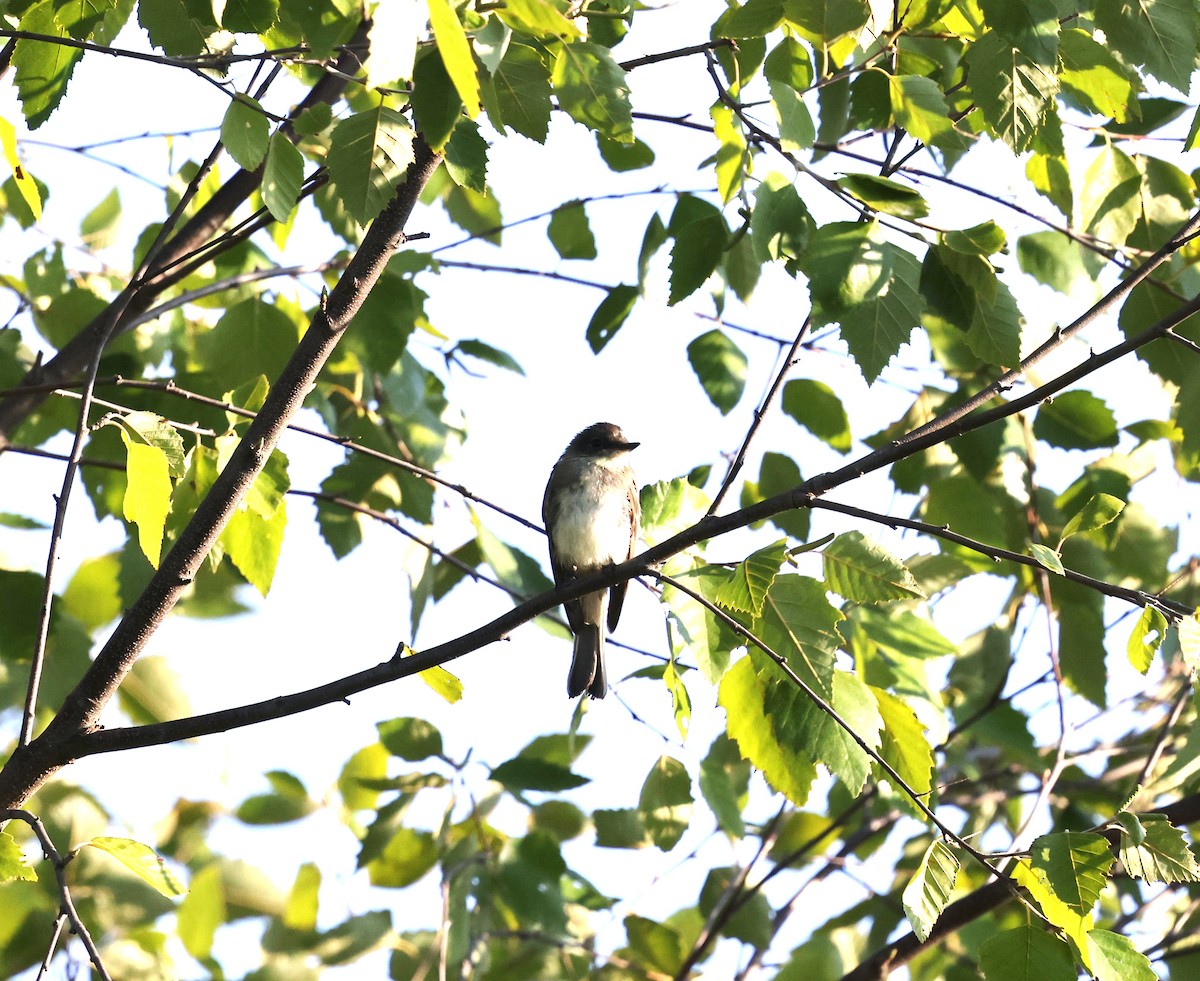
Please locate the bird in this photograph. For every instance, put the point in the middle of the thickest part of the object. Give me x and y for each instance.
(592, 516)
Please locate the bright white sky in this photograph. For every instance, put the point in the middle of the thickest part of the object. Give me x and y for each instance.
(324, 619)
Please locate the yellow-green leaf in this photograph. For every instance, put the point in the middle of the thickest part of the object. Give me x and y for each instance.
(147, 494)
(142, 860)
(928, 892)
(202, 911)
(456, 53)
(12, 861)
(21, 177)
(1146, 638)
(861, 570)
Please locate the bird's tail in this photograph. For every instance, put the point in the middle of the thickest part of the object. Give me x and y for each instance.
(587, 666)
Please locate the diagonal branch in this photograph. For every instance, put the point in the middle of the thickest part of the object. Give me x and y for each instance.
(74, 357)
(30, 766)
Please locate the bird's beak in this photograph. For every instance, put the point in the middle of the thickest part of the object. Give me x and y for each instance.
(632, 446)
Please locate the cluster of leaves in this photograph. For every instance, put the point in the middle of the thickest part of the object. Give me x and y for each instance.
(844, 675)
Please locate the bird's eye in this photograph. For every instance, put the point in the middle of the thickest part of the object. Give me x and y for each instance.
(597, 442)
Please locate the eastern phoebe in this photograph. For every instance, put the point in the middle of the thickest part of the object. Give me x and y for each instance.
(592, 513)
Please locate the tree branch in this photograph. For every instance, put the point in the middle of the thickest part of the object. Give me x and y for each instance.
(30, 766)
(74, 357)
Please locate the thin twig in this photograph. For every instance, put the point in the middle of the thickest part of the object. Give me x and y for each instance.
(64, 891)
(735, 467)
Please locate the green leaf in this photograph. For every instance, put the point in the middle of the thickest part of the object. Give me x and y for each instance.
(1051, 178)
(780, 225)
(147, 493)
(251, 339)
(492, 355)
(282, 177)
(1047, 557)
(143, 861)
(245, 131)
(799, 623)
(1112, 957)
(995, 332)
(986, 238)
(151, 692)
(861, 570)
(1076, 866)
(755, 18)
(518, 93)
(12, 861)
(100, 225)
(288, 801)
(817, 408)
(405, 859)
(301, 910)
(1026, 953)
(1147, 637)
(456, 54)
(360, 771)
(887, 196)
(1162, 856)
(253, 542)
(920, 107)
(1108, 202)
(746, 585)
(875, 330)
(467, 156)
(1187, 631)
(43, 68)
(570, 233)
(805, 726)
(847, 264)
(591, 88)
(1013, 88)
(658, 946)
(732, 158)
(1058, 913)
(538, 18)
(700, 237)
(621, 828)
(202, 911)
(92, 596)
(797, 131)
(516, 570)
(525, 773)
(670, 506)
(823, 21)
(776, 474)
(724, 783)
(928, 892)
(665, 803)
(369, 153)
(1056, 261)
(721, 367)
(904, 632)
(1094, 76)
(904, 744)
(693, 629)
(624, 157)
(610, 315)
(1076, 420)
(249, 16)
(741, 696)
(410, 738)
(1161, 35)
(751, 920)
(436, 104)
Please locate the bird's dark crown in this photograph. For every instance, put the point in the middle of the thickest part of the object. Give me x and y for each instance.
(601, 439)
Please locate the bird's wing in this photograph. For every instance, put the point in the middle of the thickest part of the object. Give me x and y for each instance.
(616, 595)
